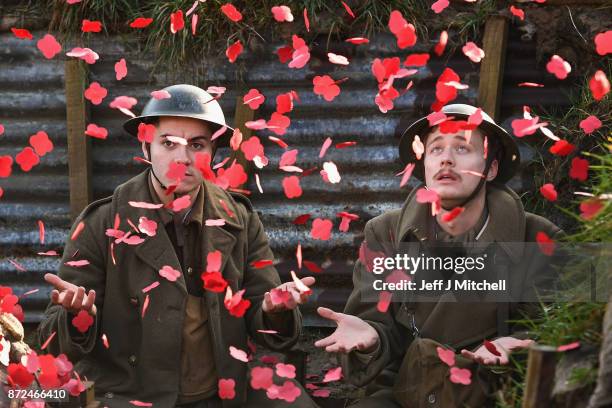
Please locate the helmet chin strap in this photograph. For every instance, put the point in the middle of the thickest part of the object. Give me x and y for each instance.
(155, 175)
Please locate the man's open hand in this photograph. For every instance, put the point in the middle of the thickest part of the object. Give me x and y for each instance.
(296, 296)
(351, 334)
(70, 296)
(504, 345)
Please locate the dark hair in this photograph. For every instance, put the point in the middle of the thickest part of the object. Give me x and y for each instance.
(152, 120)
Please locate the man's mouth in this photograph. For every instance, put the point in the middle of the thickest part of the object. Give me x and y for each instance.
(447, 176)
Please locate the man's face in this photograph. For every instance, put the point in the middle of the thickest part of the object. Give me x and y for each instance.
(448, 157)
(196, 133)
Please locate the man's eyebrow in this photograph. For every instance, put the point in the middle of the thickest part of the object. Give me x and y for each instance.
(188, 140)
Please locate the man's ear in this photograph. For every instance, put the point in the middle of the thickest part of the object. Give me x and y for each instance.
(144, 150)
(493, 170)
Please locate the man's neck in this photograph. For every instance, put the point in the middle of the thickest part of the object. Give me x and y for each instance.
(467, 219)
(167, 198)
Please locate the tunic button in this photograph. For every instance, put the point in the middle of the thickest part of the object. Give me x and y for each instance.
(134, 301)
(132, 360)
(109, 395)
(431, 398)
(190, 270)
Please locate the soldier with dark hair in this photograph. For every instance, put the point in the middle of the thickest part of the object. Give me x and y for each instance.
(171, 345)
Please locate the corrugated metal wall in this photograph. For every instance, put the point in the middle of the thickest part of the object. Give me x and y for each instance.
(31, 99)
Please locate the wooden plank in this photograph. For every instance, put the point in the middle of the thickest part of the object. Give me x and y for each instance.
(79, 146)
(540, 378)
(242, 115)
(492, 65)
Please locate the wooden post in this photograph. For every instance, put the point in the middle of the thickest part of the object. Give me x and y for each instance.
(492, 65)
(242, 115)
(79, 145)
(540, 376)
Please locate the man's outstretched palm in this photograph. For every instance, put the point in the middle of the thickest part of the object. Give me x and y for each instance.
(351, 334)
(503, 345)
(70, 296)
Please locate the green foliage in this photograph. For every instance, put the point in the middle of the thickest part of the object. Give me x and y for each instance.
(510, 394)
(561, 323)
(565, 322)
(215, 32)
(553, 169)
(583, 376)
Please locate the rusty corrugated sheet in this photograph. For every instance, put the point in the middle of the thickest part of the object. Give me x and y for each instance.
(32, 99)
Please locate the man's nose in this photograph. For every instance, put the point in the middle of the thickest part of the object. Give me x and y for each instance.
(183, 156)
(447, 158)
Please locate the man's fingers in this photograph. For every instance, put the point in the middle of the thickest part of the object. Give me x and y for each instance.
(89, 300)
(308, 280)
(58, 282)
(298, 297)
(337, 347)
(66, 300)
(77, 302)
(326, 341)
(267, 304)
(329, 314)
(295, 294)
(332, 348)
(54, 296)
(478, 357)
(291, 304)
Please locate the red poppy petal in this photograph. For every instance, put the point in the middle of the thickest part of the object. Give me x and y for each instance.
(141, 22)
(579, 169)
(517, 12)
(49, 46)
(233, 51)
(603, 43)
(599, 85)
(558, 67)
(333, 374)
(177, 22)
(439, 6)
(446, 356)
(41, 143)
(548, 192)
(27, 159)
(231, 12)
(120, 69)
(22, 33)
(88, 26)
(590, 124)
(321, 229)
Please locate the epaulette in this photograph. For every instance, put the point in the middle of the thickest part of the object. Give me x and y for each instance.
(242, 199)
(95, 204)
